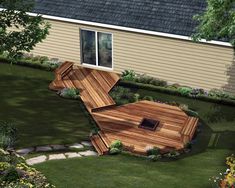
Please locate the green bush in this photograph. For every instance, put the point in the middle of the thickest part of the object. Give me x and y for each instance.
(153, 151)
(128, 75)
(149, 98)
(116, 144)
(154, 157)
(8, 135)
(39, 62)
(69, 93)
(172, 154)
(114, 151)
(218, 93)
(185, 91)
(116, 147)
(123, 95)
(158, 82)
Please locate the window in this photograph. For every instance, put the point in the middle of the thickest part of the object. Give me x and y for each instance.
(96, 48)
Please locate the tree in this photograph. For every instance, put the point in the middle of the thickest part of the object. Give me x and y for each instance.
(20, 32)
(217, 22)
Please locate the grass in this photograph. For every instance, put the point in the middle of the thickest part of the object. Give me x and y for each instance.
(40, 115)
(129, 172)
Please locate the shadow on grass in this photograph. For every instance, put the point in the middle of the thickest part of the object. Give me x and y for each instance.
(40, 115)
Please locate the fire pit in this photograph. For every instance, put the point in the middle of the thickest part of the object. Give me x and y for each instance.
(149, 124)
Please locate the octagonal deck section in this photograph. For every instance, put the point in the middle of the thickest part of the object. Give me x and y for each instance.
(176, 128)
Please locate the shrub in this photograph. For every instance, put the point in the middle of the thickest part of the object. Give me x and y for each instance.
(114, 151)
(116, 147)
(149, 98)
(8, 135)
(128, 75)
(69, 93)
(122, 95)
(116, 144)
(172, 154)
(196, 92)
(153, 151)
(226, 179)
(158, 82)
(185, 91)
(144, 79)
(154, 157)
(15, 173)
(218, 93)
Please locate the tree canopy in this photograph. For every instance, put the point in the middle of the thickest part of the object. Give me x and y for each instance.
(20, 32)
(217, 22)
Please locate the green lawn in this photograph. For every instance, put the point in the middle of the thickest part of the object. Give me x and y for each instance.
(128, 171)
(212, 145)
(42, 117)
(39, 114)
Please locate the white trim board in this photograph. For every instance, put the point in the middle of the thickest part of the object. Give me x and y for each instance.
(128, 29)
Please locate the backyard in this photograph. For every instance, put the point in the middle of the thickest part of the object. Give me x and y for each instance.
(44, 118)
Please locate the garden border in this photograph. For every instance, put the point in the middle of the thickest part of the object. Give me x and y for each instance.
(132, 84)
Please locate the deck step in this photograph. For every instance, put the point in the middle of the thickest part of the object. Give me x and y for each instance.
(99, 145)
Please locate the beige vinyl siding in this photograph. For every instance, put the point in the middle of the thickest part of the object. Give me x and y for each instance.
(177, 61)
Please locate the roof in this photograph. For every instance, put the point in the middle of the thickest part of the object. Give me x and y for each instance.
(166, 16)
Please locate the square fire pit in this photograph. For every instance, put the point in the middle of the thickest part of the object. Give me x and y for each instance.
(149, 124)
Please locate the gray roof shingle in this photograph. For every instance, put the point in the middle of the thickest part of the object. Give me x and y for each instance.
(167, 16)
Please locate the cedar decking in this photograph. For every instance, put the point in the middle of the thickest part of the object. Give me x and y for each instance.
(121, 122)
(94, 86)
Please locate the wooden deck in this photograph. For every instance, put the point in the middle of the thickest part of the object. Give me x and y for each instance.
(94, 86)
(121, 122)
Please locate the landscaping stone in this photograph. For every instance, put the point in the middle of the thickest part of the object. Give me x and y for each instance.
(88, 153)
(57, 156)
(43, 148)
(58, 147)
(76, 146)
(72, 154)
(86, 143)
(24, 151)
(36, 160)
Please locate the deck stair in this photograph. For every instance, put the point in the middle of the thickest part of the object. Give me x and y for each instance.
(99, 144)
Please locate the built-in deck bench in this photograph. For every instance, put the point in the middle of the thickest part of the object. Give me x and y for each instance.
(189, 129)
(63, 70)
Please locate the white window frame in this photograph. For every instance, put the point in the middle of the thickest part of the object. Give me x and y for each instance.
(96, 49)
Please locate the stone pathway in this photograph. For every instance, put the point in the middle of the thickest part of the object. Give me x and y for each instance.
(56, 156)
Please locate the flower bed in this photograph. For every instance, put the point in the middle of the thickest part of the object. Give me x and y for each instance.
(133, 80)
(39, 62)
(14, 172)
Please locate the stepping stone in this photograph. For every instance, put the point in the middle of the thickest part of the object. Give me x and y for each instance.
(88, 153)
(58, 147)
(86, 143)
(57, 156)
(72, 154)
(43, 148)
(24, 151)
(76, 146)
(36, 160)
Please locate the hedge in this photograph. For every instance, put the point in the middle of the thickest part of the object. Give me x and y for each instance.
(29, 63)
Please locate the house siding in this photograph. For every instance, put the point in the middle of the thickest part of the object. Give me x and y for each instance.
(177, 61)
